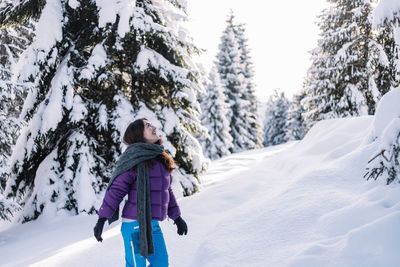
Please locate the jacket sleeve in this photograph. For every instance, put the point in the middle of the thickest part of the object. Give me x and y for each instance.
(173, 209)
(119, 188)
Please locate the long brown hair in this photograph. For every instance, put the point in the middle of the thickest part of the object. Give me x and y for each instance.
(134, 134)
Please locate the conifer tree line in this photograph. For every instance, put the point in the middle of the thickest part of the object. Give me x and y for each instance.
(284, 120)
(353, 65)
(229, 106)
(86, 71)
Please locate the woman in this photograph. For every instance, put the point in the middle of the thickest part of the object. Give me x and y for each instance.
(144, 173)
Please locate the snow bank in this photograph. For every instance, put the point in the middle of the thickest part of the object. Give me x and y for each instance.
(387, 110)
(361, 228)
(386, 128)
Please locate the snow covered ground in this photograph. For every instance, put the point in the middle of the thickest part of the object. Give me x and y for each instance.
(298, 204)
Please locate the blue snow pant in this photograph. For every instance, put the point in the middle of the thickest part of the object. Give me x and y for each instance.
(130, 233)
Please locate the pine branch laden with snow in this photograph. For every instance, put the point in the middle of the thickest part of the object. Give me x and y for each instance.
(342, 70)
(14, 41)
(93, 68)
(218, 142)
(385, 161)
(275, 125)
(386, 22)
(19, 12)
(7, 208)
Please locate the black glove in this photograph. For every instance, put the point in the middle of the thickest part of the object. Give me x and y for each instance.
(98, 228)
(182, 226)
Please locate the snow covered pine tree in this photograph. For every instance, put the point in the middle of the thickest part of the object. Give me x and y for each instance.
(275, 126)
(214, 112)
(231, 64)
(296, 128)
(95, 66)
(248, 94)
(337, 83)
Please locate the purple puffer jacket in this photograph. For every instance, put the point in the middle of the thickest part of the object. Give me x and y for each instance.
(162, 198)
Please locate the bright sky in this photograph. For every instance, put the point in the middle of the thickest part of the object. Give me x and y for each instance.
(280, 35)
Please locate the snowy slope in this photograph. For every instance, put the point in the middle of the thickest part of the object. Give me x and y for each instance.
(298, 204)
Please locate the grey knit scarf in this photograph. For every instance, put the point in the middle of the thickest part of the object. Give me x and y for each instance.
(137, 154)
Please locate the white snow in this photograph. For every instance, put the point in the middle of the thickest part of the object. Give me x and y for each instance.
(389, 135)
(97, 59)
(43, 188)
(48, 32)
(73, 4)
(121, 117)
(396, 36)
(150, 58)
(102, 123)
(125, 15)
(385, 10)
(304, 203)
(49, 27)
(79, 110)
(52, 112)
(387, 110)
(85, 195)
(109, 9)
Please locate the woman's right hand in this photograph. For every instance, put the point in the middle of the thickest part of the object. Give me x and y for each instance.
(182, 226)
(98, 229)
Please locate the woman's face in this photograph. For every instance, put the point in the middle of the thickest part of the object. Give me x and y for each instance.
(150, 132)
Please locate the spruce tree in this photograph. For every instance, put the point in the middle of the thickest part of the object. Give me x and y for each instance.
(337, 83)
(248, 94)
(94, 67)
(230, 70)
(296, 127)
(214, 112)
(275, 126)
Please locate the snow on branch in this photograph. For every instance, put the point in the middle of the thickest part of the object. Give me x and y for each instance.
(7, 208)
(10, 13)
(48, 32)
(386, 131)
(97, 60)
(150, 58)
(386, 10)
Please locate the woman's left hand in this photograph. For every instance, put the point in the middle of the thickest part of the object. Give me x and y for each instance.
(182, 226)
(98, 229)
